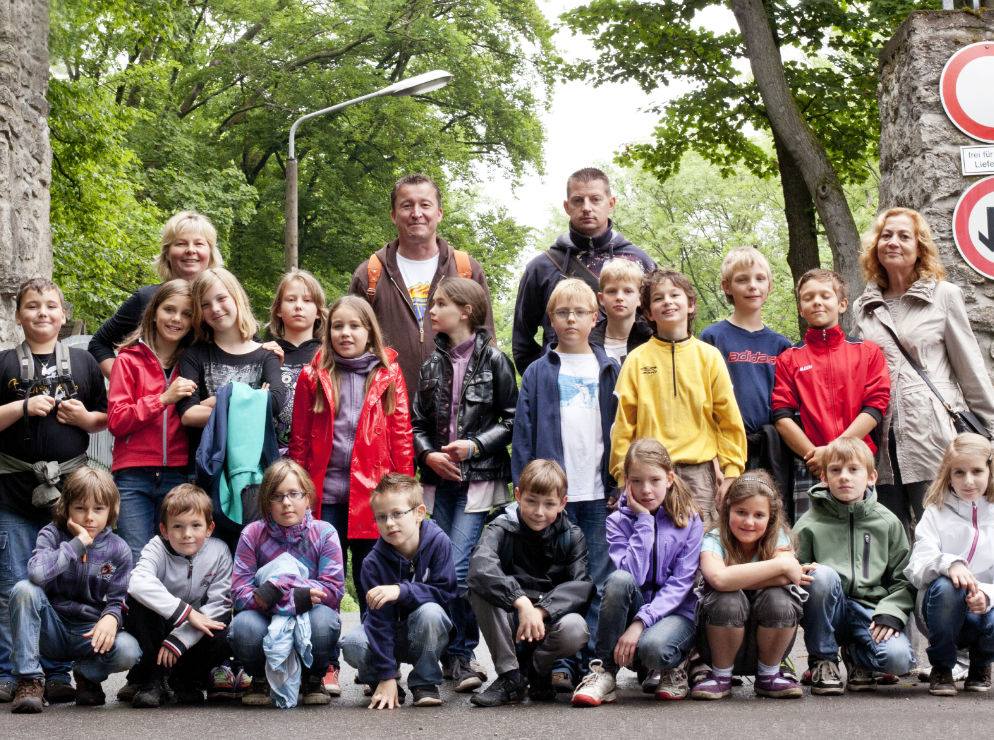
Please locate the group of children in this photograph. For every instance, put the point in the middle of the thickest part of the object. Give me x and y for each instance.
(637, 460)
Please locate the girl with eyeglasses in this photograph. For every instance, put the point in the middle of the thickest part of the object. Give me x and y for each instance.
(287, 564)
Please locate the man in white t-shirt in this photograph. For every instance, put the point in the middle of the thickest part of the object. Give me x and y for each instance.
(401, 277)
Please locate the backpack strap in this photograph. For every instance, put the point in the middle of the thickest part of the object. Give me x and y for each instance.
(572, 267)
(374, 269)
(62, 361)
(463, 266)
(26, 362)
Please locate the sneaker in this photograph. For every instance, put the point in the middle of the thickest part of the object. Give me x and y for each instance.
(672, 684)
(697, 669)
(503, 690)
(223, 686)
(187, 696)
(29, 696)
(940, 682)
(426, 696)
(712, 687)
(562, 682)
(59, 691)
(860, 679)
(331, 684)
(88, 693)
(149, 696)
(242, 683)
(313, 692)
(777, 686)
(596, 688)
(258, 694)
(978, 678)
(825, 678)
(126, 693)
(789, 671)
(7, 689)
(540, 686)
(466, 674)
(651, 682)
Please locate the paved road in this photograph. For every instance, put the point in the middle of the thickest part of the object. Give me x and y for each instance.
(903, 711)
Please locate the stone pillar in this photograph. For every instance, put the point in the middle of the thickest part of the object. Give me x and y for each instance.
(919, 145)
(25, 155)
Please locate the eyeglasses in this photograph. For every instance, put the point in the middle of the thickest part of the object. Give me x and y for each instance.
(393, 516)
(580, 313)
(278, 498)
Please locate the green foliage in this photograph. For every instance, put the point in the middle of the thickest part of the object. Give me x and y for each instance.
(192, 104)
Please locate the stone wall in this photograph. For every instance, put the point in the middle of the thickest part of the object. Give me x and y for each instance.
(919, 145)
(25, 155)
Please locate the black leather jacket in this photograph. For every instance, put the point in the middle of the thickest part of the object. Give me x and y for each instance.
(486, 410)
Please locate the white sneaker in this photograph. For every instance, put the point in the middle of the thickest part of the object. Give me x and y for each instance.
(596, 688)
(672, 684)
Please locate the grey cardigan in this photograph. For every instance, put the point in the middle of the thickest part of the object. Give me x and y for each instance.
(936, 331)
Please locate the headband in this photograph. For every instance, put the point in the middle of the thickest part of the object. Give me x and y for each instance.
(760, 481)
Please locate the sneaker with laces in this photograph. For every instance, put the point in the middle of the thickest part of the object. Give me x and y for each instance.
(978, 678)
(242, 682)
(88, 693)
(149, 696)
(313, 692)
(223, 684)
(503, 690)
(788, 670)
(562, 682)
(860, 679)
(425, 696)
(596, 688)
(777, 686)
(712, 687)
(29, 696)
(7, 689)
(825, 678)
(940, 682)
(650, 682)
(258, 693)
(331, 684)
(467, 674)
(672, 684)
(59, 691)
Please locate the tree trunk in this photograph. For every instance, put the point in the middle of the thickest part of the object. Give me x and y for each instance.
(798, 139)
(799, 209)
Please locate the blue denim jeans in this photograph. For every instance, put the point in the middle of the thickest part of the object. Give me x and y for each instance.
(663, 645)
(249, 628)
(830, 620)
(420, 641)
(17, 541)
(951, 625)
(337, 515)
(464, 530)
(39, 630)
(142, 491)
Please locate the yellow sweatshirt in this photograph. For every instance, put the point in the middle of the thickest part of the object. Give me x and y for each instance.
(679, 393)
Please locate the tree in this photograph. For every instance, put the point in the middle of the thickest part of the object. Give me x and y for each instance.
(829, 67)
(195, 100)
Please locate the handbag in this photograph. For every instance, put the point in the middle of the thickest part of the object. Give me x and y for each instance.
(964, 420)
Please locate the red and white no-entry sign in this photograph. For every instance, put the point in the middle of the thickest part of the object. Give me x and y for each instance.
(973, 226)
(966, 88)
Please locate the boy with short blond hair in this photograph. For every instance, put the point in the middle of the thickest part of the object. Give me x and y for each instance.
(530, 563)
(411, 578)
(828, 385)
(179, 601)
(623, 328)
(854, 552)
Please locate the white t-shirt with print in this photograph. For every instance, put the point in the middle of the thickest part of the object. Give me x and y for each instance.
(417, 276)
(580, 418)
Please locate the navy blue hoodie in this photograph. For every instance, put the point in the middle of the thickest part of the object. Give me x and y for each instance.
(430, 576)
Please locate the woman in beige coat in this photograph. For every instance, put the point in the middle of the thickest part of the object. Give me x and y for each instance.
(906, 291)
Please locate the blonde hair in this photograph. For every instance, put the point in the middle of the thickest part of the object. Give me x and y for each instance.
(542, 477)
(679, 503)
(86, 484)
(964, 444)
(572, 290)
(276, 326)
(620, 270)
(844, 449)
(681, 281)
(325, 360)
(146, 329)
(183, 498)
(749, 484)
(399, 483)
(277, 473)
(247, 325)
(179, 224)
(927, 265)
(742, 258)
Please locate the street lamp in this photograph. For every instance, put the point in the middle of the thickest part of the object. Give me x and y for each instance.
(417, 85)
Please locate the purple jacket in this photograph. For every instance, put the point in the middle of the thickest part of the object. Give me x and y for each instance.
(662, 558)
(81, 589)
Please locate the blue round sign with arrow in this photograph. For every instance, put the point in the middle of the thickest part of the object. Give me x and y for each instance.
(973, 226)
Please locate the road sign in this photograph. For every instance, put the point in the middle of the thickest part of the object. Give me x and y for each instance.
(973, 226)
(965, 90)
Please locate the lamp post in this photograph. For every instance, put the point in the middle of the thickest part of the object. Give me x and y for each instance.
(419, 84)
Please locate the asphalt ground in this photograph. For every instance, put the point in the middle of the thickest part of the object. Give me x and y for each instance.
(904, 711)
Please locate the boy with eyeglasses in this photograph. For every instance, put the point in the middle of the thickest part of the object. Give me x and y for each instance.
(411, 578)
(565, 409)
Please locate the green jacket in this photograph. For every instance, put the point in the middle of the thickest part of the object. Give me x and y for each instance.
(865, 544)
